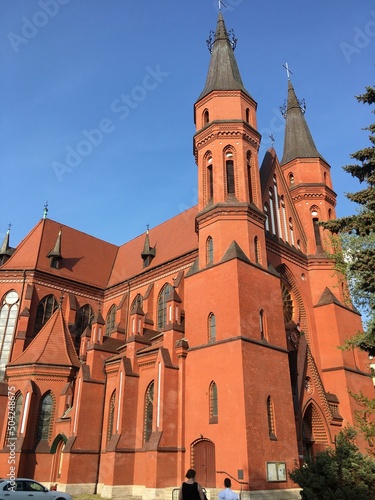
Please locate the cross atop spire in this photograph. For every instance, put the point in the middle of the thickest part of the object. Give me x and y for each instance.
(45, 210)
(288, 72)
(223, 72)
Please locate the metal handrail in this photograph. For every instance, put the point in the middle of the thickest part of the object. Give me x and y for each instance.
(234, 479)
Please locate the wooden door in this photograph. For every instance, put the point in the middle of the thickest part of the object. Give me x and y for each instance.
(204, 463)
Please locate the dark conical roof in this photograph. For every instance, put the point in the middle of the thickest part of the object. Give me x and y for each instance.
(148, 251)
(56, 251)
(223, 72)
(5, 249)
(298, 142)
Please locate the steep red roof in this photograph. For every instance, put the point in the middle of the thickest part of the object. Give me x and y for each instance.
(53, 345)
(172, 239)
(92, 261)
(84, 258)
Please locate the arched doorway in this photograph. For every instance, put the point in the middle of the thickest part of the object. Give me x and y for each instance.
(57, 448)
(314, 434)
(203, 459)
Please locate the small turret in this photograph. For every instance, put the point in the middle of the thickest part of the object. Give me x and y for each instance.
(54, 255)
(5, 251)
(148, 252)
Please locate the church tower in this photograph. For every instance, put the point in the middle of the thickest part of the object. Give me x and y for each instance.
(307, 174)
(333, 319)
(233, 300)
(226, 147)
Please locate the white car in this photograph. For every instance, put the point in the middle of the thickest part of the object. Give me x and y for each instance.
(28, 489)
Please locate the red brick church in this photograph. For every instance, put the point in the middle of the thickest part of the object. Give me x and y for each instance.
(208, 342)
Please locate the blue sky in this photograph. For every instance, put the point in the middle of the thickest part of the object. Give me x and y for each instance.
(116, 81)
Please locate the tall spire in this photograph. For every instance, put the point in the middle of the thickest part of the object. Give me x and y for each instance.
(223, 73)
(298, 141)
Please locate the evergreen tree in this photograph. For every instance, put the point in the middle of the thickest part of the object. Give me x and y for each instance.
(343, 473)
(357, 237)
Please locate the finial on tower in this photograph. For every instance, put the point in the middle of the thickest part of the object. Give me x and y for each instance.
(45, 210)
(272, 139)
(288, 72)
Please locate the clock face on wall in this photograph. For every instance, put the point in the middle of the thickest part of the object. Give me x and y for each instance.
(287, 303)
(294, 339)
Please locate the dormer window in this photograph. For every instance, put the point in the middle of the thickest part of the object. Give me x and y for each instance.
(54, 262)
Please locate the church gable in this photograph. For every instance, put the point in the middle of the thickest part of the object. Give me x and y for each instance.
(53, 345)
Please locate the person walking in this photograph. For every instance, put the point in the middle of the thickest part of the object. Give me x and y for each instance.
(228, 494)
(190, 489)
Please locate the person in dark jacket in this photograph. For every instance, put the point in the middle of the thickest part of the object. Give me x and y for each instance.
(190, 489)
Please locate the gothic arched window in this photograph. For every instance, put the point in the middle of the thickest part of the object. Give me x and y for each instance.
(148, 412)
(137, 302)
(266, 222)
(213, 403)
(249, 173)
(162, 305)
(277, 207)
(12, 430)
(211, 327)
(262, 325)
(272, 213)
(229, 164)
(288, 305)
(84, 318)
(291, 230)
(209, 178)
(44, 418)
(284, 219)
(46, 307)
(17, 412)
(271, 419)
(256, 250)
(8, 318)
(111, 415)
(110, 321)
(209, 250)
